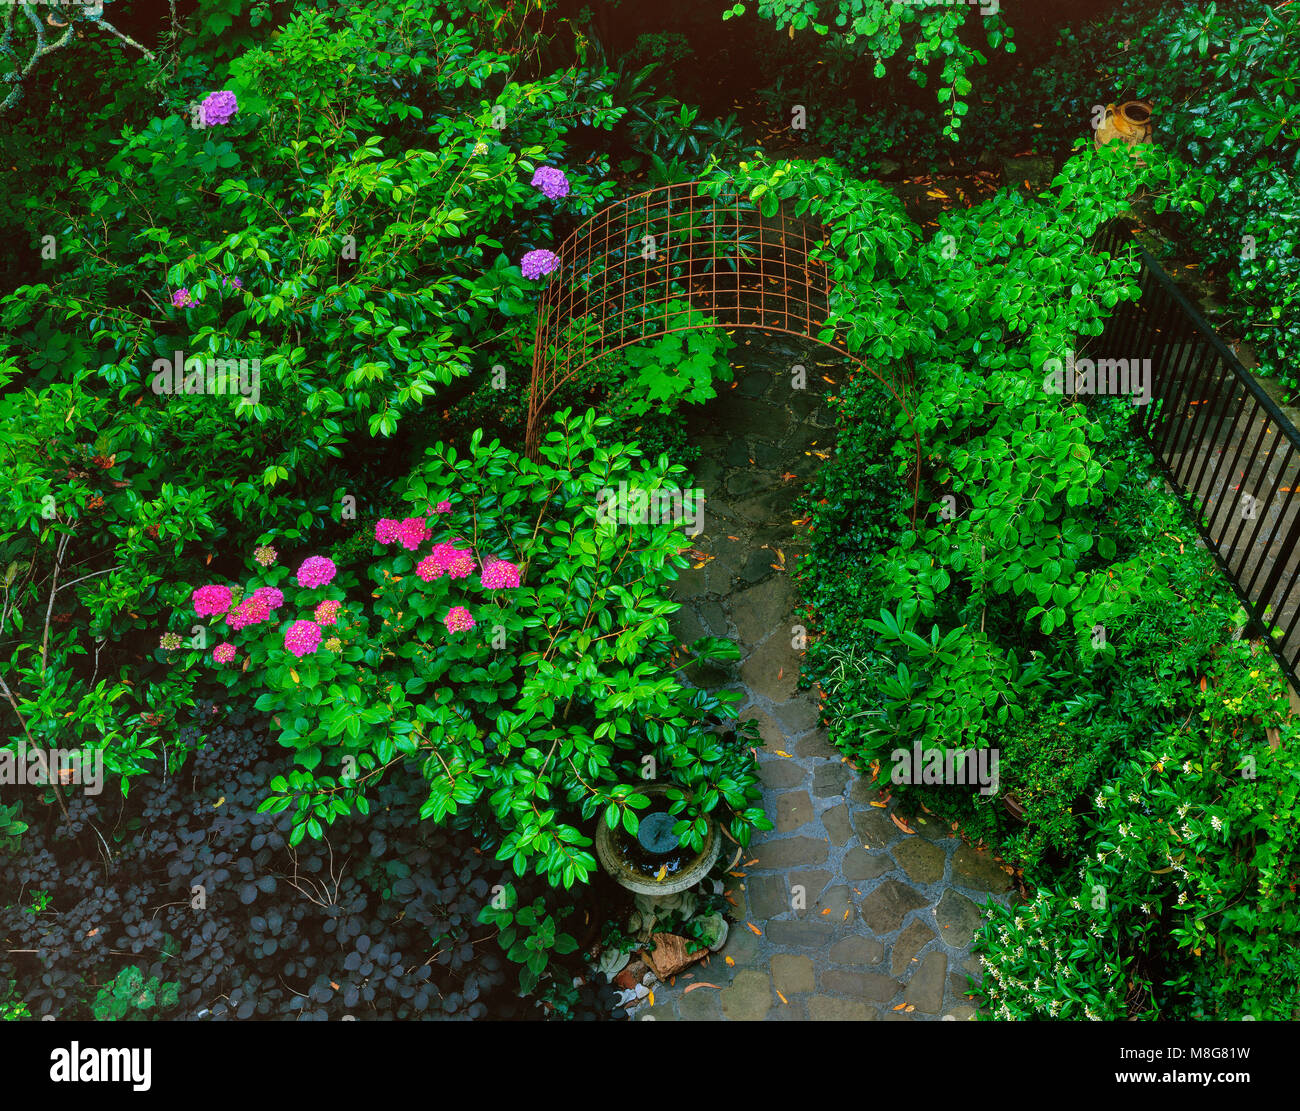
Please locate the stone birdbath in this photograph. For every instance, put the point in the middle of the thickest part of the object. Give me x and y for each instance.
(653, 862)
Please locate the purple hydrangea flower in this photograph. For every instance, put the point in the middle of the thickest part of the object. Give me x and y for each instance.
(182, 299)
(536, 263)
(551, 182)
(218, 108)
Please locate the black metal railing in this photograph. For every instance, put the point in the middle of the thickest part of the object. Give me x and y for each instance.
(1229, 452)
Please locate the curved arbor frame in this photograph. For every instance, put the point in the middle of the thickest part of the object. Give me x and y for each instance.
(636, 269)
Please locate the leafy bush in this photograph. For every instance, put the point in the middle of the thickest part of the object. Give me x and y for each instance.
(378, 220)
(538, 694)
(1181, 904)
(880, 29)
(1224, 76)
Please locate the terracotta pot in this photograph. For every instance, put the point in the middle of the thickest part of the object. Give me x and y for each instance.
(1130, 124)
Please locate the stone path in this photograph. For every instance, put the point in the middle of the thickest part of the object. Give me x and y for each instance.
(855, 919)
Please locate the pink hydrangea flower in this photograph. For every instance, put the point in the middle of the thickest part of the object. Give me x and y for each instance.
(386, 530)
(458, 619)
(456, 562)
(500, 575)
(273, 598)
(412, 532)
(316, 571)
(429, 569)
(327, 613)
(442, 507)
(223, 653)
(302, 638)
(265, 555)
(211, 599)
(251, 611)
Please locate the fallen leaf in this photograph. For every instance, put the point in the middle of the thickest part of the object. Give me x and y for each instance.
(909, 1008)
(785, 1000)
(782, 752)
(827, 910)
(900, 1006)
(730, 961)
(757, 931)
(847, 913)
(879, 804)
(901, 824)
(663, 871)
(652, 999)
(701, 984)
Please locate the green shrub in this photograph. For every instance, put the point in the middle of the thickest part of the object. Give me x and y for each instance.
(550, 709)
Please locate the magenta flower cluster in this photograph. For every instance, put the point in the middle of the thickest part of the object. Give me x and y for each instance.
(218, 108)
(500, 575)
(181, 299)
(250, 611)
(302, 638)
(411, 532)
(209, 600)
(535, 264)
(551, 182)
(316, 571)
(458, 619)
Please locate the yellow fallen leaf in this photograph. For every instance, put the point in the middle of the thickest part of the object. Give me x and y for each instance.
(786, 1001)
(757, 931)
(879, 804)
(663, 871)
(782, 752)
(900, 1006)
(731, 961)
(652, 999)
(219, 802)
(847, 913)
(909, 1009)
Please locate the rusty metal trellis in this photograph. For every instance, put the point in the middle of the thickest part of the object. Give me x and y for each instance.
(648, 265)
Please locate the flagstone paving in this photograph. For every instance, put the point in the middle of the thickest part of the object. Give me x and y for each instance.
(840, 915)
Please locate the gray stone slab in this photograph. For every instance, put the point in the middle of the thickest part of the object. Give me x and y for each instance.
(749, 997)
(883, 910)
(792, 973)
(861, 985)
(859, 864)
(925, 989)
(857, 950)
(791, 852)
(911, 941)
(958, 917)
(923, 861)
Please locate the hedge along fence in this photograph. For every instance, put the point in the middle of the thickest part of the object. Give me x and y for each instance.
(1222, 442)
